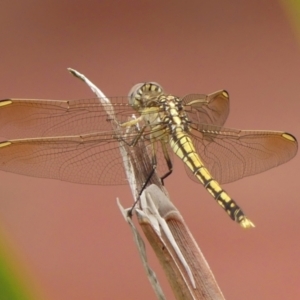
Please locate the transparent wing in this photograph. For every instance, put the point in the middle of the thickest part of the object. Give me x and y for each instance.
(231, 154)
(89, 159)
(207, 109)
(21, 118)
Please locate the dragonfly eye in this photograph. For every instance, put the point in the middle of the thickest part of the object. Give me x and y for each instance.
(142, 92)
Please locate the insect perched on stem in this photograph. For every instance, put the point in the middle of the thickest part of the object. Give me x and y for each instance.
(74, 140)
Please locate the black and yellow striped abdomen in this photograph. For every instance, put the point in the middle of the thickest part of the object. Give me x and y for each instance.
(184, 149)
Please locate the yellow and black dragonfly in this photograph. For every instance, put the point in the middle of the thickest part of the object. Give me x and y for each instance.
(74, 140)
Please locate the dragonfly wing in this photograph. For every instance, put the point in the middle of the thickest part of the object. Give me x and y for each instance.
(231, 154)
(89, 159)
(207, 109)
(69, 140)
(26, 118)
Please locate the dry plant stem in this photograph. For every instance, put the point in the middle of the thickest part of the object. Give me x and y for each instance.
(142, 252)
(137, 165)
(187, 271)
(201, 284)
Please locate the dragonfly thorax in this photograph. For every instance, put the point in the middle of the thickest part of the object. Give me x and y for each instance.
(172, 113)
(157, 108)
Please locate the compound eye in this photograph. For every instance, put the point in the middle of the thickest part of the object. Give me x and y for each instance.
(135, 88)
(140, 89)
(134, 94)
(152, 87)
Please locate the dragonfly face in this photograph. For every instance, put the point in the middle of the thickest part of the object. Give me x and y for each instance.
(74, 140)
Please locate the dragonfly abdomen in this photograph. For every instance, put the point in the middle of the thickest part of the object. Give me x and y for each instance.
(184, 149)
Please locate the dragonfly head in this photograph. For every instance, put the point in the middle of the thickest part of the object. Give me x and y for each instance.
(142, 93)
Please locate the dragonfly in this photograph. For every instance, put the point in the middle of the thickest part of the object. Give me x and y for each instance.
(73, 140)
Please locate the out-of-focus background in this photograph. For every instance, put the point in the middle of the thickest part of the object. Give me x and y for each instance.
(68, 241)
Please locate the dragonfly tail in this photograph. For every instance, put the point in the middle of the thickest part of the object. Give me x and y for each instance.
(222, 198)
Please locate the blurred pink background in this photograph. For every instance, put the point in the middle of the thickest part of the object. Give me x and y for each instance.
(71, 239)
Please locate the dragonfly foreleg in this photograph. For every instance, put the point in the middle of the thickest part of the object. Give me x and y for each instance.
(132, 123)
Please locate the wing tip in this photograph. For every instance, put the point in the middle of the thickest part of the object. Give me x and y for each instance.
(289, 137)
(5, 143)
(4, 102)
(225, 94)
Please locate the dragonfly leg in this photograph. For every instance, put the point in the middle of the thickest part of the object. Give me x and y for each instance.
(133, 142)
(154, 164)
(168, 160)
(148, 179)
